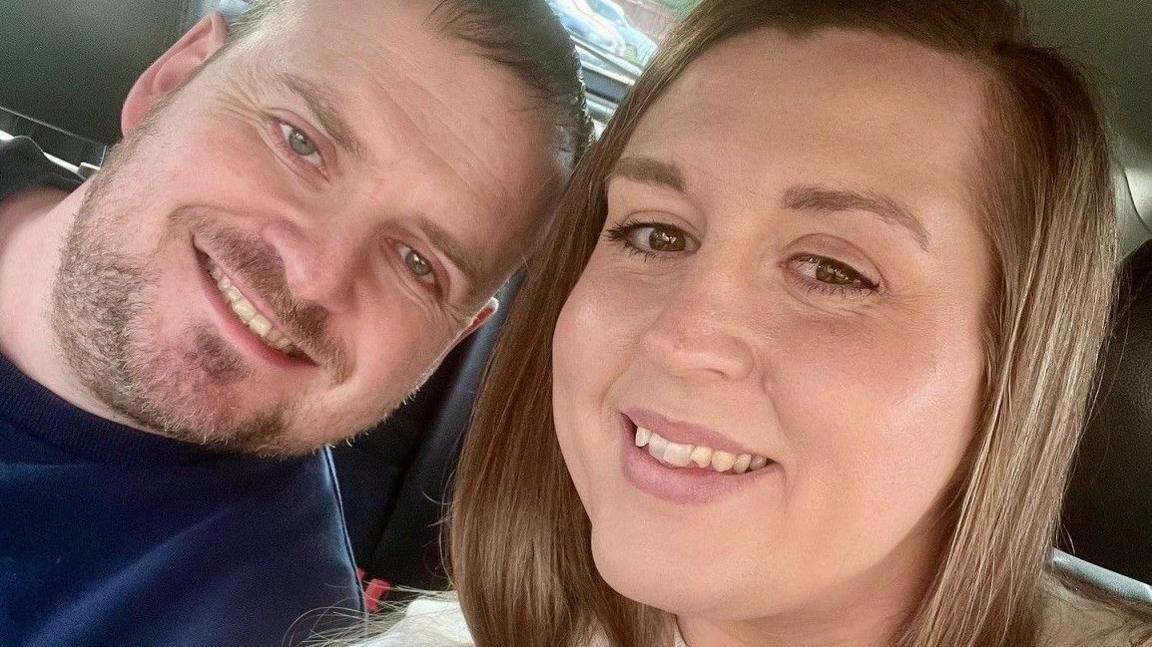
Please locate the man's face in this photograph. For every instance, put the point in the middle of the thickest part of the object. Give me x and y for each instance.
(279, 255)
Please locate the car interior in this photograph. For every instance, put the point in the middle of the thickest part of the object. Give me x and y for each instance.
(68, 65)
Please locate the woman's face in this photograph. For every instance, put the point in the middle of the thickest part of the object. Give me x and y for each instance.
(790, 282)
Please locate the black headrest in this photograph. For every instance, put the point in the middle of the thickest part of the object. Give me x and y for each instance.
(395, 490)
(70, 63)
(1108, 512)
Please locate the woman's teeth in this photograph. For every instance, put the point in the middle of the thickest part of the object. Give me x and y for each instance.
(246, 313)
(678, 455)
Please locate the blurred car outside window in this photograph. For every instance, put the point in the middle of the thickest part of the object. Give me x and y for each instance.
(624, 29)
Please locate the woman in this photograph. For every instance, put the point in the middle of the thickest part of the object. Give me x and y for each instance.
(826, 303)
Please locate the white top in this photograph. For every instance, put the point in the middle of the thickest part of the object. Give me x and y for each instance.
(435, 623)
(426, 623)
(1069, 620)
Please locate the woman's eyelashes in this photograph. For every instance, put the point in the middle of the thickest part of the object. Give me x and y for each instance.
(813, 272)
(830, 276)
(651, 239)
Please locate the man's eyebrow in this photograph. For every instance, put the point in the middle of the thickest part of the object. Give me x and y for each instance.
(322, 101)
(457, 253)
(650, 171)
(823, 199)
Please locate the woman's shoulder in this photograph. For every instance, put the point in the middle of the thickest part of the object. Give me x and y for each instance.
(436, 622)
(1075, 615)
(426, 622)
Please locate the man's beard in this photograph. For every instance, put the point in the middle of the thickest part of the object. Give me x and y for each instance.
(103, 302)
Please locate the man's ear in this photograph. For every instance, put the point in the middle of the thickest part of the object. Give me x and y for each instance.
(487, 311)
(173, 68)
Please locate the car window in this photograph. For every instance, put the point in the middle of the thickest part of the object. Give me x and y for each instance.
(626, 29)
(615, 40)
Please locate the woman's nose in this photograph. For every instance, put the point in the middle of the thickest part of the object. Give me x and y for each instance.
(698, 332)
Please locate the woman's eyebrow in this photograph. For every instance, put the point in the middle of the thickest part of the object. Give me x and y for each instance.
(804, 197)
(828, 200)
(650, 171)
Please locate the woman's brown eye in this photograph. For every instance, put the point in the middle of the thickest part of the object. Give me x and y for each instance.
(826, 272)
(664, 240)
(652, 240)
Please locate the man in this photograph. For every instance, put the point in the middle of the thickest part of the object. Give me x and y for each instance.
(306, 213)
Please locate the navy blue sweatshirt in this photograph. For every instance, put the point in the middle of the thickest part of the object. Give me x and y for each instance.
(112, 537)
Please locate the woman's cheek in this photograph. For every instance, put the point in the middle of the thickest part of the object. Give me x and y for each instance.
(606, 315)
(885, 412)
(571, 362)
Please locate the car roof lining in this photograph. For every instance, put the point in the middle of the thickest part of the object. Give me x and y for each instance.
(1113, 40)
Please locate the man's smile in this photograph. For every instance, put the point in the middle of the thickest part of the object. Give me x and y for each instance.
(259, 329)
(248, 315)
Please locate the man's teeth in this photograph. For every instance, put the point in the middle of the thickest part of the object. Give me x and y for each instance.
(246, 313)
(679, 455)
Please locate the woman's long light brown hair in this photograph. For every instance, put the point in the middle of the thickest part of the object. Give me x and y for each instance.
(519, 537)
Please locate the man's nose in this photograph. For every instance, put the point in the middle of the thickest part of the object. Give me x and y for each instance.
(699, 331)
(322, 261)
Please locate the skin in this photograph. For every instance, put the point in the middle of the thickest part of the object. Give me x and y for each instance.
(113, 310)
(842, 345)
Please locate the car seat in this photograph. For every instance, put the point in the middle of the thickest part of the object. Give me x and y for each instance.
(67, 65)
(1108, 510)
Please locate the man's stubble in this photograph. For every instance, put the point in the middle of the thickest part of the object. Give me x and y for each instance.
(103, 302)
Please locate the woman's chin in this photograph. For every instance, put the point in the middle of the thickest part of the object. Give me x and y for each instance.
(656, 578)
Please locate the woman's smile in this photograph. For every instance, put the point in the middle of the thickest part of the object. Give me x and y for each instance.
(685, 463)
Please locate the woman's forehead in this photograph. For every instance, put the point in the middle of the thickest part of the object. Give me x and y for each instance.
(767, 110)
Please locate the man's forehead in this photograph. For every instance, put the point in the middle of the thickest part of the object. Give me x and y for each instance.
(306, 22)
(382, 77)
(399, 46)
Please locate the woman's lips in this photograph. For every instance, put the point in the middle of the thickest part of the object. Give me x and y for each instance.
(683, 455)
(682, 436)
(684, 473)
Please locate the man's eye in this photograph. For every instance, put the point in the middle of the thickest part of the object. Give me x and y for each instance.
(651, 238)
(301, 144)
(417, 265)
